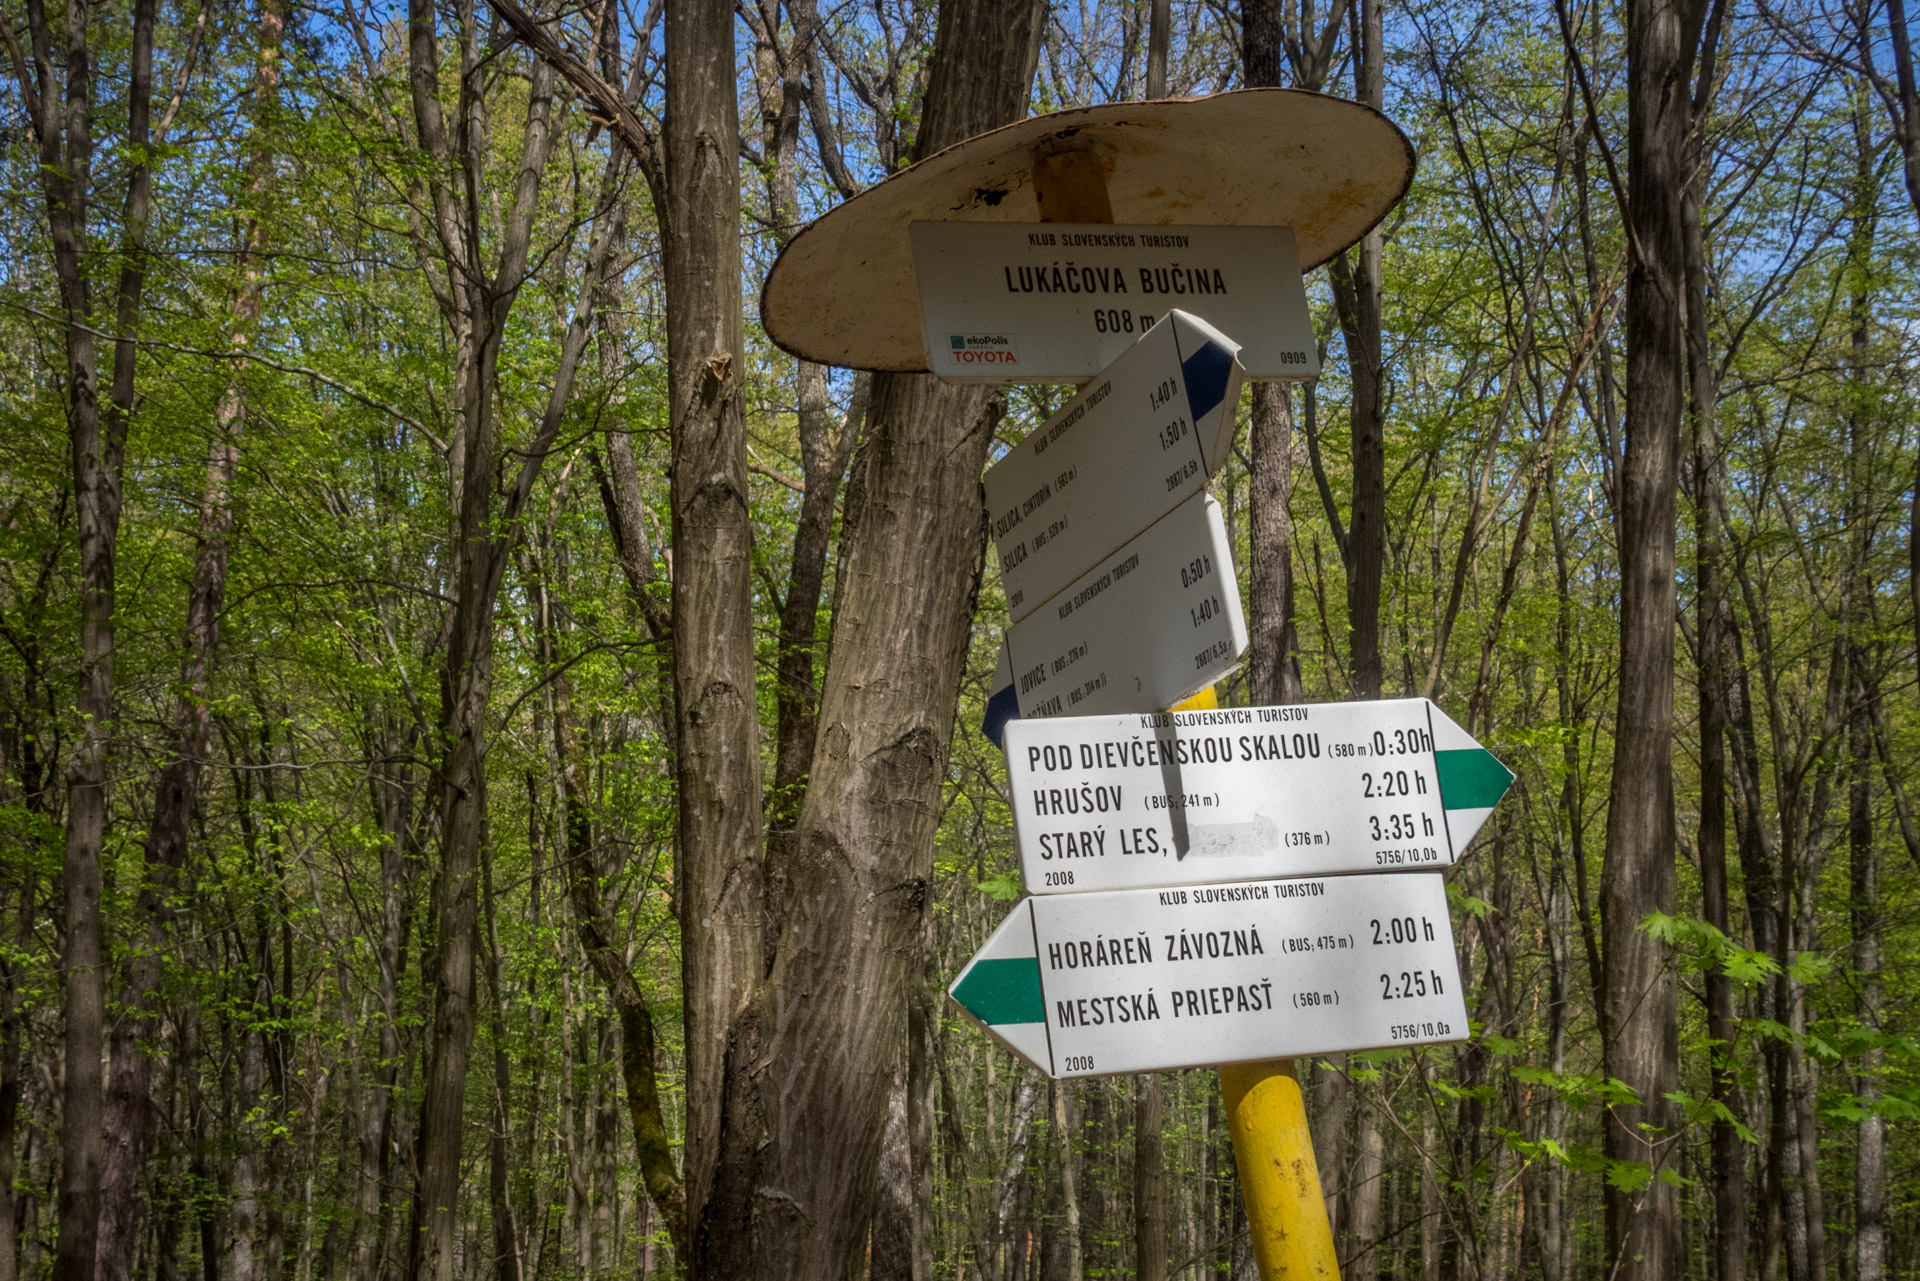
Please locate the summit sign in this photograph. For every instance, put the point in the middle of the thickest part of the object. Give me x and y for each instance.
(1059, 302)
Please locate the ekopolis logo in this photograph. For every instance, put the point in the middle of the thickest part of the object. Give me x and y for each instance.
(983, 349)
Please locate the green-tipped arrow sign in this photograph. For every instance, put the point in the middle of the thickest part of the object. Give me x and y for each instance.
(1190, 798)
(1147, 980)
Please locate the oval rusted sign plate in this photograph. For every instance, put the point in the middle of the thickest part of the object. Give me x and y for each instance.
(843, 291)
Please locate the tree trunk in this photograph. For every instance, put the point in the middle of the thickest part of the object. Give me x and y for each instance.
(392, 789)
(824, 457)
(1905, 109)
(594, 925)
(485, 533)
(131, 1113)
(1728, 1161)
(245, 1215)
(1365, 1188)
(1642, 1048)
(1870, 1170)
(1330, 1094)
(1865, 905)
(810, 1061)
(996, 1227)
(12, 1017)
(506, 1245)
(98, 436)
(716, 714)
(1066, 1131)
(1357, 298)
(1271, 662)
(1149, 1179)
(893, 1243)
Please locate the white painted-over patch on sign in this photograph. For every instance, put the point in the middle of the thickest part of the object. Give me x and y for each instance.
(1184, 798)
(1153, 980)
(1135, 443)
(1147, 626)
(1077, 295)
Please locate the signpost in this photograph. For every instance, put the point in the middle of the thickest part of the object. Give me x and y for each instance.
(1172, 922)
(1191, 798)
(1135, 443)
(1153, 980)
(1057, 302)
(1145, 627)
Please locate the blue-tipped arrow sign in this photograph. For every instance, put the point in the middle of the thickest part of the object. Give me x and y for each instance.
(1135, 443)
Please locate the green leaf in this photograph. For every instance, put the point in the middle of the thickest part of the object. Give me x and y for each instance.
(1005, 887)
(1629, 1176)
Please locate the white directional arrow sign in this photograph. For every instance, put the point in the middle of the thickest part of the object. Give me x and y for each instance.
(1139, 440)
(1152, 980)
(1188, 798)
(1056, 302)
(1148, 625)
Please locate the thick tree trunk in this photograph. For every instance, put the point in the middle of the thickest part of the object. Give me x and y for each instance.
(1273, 663)
(810, 1061)
(801, 1154)
(1330, 1097)
(1642, 1047)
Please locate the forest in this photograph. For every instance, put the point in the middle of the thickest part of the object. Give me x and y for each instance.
(491, 785)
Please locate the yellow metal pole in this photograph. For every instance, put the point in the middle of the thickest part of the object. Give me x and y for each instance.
(1267, 1116)
(1279, 1181)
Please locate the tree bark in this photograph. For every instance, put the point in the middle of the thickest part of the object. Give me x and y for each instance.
(1273, 661)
